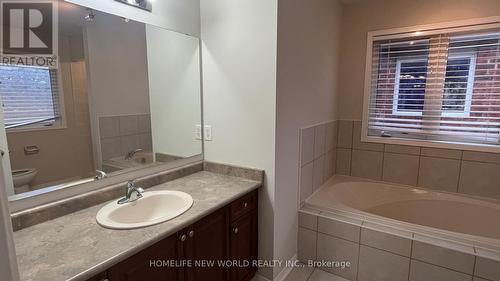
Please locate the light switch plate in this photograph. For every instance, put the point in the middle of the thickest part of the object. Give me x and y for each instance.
(208, 133)
(198, 132)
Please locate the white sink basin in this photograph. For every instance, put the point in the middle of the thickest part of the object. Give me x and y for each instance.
(153, 208)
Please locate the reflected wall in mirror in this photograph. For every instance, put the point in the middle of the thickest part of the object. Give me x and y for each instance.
(125, 95)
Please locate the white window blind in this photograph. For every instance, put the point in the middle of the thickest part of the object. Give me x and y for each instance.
(443, 87)
(30, 96)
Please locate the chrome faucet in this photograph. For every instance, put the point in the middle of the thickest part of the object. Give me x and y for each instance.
(132, 194)
(131, 154)
(99, 175)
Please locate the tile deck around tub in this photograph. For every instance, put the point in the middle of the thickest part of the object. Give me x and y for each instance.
(382, 253)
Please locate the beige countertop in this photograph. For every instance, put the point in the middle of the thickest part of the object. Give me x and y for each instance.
(75, 247)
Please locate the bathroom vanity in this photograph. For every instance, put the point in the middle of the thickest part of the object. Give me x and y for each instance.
(221, 225)
(228, 234)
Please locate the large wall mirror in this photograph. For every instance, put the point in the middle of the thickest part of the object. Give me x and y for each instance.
(125, 96)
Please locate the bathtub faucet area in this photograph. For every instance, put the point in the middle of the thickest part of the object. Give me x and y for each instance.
(131, 154)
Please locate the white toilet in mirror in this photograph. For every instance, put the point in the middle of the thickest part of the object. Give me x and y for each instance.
(22, 179)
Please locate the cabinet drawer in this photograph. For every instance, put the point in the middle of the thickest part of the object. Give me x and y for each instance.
(243, 205)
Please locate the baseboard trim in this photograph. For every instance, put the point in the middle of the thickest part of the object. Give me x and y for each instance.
(286, 271)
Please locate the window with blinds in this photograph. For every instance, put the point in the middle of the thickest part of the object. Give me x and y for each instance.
(30, 96)
(435, 87)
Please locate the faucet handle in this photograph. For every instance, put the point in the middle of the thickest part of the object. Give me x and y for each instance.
(131, 185)
(99, 175)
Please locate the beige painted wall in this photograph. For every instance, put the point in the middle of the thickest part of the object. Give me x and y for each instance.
(239, 68)
(64, 153)
(368, 15)
(308, 49)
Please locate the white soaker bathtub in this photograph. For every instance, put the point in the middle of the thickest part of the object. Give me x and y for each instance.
(448, 216)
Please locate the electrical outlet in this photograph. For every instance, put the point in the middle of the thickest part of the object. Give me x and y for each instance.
(208, 133)
(198, 132)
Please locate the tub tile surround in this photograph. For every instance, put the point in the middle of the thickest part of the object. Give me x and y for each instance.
(375, 264)
(339, 229)
(444, 257)
(330, 248)
(375, 249)
(307, 248)
(121, 134)
(487, 269)
(391, 243)
(304, 273)
(318, 155)
(467, 172)
(421, 271)
(383, 253)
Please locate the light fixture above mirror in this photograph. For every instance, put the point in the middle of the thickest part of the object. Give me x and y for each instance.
(141, 4)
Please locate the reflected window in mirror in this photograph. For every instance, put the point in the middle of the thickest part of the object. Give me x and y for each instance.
(30, 97)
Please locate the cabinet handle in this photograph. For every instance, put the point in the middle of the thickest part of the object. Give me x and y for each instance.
(191, 233)
(236, 230)
(245, 205)
(183, 237)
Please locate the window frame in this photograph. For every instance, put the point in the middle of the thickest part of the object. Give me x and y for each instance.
(395, 97)
(468, 94)
(56, 125)
(470, 85)
(476, 24)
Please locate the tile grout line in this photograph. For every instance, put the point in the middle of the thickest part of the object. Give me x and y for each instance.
(386, 251)
(383, 162)
(352, 148)
(359, 252)
(411, 254)
(441, 267)
(474, 266)
(419, 162)
(460, 171)
(299, 174)
(310, 274)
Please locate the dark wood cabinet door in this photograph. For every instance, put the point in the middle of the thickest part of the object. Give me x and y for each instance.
(99, 277)
(207, 241)
(243, 246)
(140, 268)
